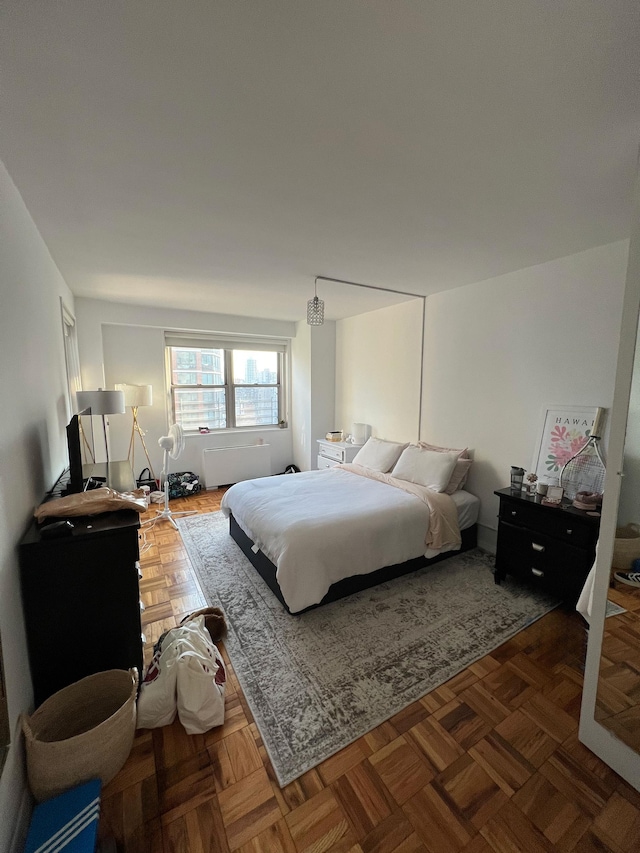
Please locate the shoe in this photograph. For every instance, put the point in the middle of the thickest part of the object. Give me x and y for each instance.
(630, 578)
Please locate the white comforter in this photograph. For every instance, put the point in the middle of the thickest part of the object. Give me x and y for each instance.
(318, 527)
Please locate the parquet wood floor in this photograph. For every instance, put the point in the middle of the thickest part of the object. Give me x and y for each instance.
(489, 761)
(618, 701)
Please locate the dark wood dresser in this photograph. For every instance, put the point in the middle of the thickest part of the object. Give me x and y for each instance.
(551, 547)
(81, 600)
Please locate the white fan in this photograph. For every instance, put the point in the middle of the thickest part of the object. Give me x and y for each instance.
(173, 445)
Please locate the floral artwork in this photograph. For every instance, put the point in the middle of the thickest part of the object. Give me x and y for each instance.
(564, 443)
(565, 431)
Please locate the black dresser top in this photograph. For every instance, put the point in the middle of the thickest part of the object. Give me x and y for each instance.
(536, 500)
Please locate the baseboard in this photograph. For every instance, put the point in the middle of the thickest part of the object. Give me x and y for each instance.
(23, 817)
(487, 538)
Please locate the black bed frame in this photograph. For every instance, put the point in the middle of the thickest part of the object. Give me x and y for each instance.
(347, 586)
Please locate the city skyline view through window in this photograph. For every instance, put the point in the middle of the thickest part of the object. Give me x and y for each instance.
(224, 388)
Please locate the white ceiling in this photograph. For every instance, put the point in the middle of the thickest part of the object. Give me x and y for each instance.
(219, 155)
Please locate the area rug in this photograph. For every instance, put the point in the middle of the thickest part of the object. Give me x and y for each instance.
(319, 681)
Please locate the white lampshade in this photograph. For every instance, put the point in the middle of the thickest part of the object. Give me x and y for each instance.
(361, 432)
(136, 395)
(101, 402)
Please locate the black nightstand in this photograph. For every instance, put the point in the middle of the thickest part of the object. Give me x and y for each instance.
(553, 547)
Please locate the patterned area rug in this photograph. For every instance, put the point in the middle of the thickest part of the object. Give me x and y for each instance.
(319, 681)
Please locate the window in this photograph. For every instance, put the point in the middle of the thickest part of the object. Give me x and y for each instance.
(186, 359)
(243, 382)
(72, 359)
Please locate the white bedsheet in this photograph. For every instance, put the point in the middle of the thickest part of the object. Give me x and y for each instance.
(343, 525)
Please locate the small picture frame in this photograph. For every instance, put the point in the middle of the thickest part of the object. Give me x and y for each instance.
(554, 495)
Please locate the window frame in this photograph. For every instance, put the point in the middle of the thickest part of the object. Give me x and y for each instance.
(229, 387)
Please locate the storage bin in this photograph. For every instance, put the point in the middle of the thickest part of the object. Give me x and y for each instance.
(626, 547)
(84, 731)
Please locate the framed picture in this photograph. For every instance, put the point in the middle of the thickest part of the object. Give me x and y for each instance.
(564, 432)
(555, 493)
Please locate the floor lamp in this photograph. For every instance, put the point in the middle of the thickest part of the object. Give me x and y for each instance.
(134, 397)
(102, 403)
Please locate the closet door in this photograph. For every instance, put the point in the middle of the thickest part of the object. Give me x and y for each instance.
(610, 713)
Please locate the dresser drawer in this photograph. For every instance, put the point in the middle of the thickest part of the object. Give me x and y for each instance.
(323, 462)
(554, 522)
(336, 453)
(565, 585)
(525, 552)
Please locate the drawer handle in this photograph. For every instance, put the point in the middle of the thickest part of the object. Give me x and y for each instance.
(537, 573)
(514, 512)
(537, 547)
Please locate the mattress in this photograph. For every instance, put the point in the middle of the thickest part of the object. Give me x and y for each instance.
(468, 507)
(319, 527)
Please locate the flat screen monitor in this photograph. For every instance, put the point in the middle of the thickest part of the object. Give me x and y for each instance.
(74, 446)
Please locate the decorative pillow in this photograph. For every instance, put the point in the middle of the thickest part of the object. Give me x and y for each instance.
(425, 467)
(459, 476)
(378, 454)
(462, 454)
(461, 470)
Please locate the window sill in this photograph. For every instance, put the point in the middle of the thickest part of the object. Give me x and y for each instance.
(221, 432)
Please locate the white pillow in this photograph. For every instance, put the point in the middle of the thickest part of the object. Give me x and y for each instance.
(426, 467)
(378, 454)
(461, 470)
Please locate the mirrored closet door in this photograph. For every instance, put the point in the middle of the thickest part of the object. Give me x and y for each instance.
(610, 714)
(618, 691)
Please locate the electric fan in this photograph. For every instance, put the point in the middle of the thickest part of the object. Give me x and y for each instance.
(173, 445)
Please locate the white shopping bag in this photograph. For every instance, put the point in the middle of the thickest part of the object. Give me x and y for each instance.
(201, 680)
(156, 704)
(187, 676)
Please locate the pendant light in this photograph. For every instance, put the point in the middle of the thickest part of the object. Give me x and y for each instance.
(315, 308)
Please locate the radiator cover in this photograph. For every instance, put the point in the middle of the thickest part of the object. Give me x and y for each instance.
(225, 465)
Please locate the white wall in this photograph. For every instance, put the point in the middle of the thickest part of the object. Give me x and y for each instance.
(323, 383)
(32, 451)
(313, 359)
(378, 371)
(498, 352)
(302, 437)
(123, 343)
(629, 506)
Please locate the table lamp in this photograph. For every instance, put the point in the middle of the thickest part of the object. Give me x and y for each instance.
(102, 403)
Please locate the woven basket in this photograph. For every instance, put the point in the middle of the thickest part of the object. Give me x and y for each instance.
(84, 731)
(626, 546)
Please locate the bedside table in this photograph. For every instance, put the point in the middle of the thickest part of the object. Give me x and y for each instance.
(332, 453)
(553, 547)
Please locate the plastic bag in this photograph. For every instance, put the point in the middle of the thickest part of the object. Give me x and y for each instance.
(157, 698)
(201, 680)
(201, 683)
(91, 503)
(187, 676)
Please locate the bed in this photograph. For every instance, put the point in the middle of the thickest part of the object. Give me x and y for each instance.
(317, 536)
